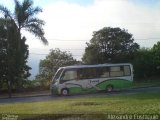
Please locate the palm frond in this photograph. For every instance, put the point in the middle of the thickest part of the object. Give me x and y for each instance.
(33, 11)
(5, 11)
(27, 4)
(18, 12)
(17, 7)
(17, 4)
(21, 11)
(38, 31)
(35, 21)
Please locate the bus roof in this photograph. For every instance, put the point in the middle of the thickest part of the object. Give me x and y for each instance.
(98, 65)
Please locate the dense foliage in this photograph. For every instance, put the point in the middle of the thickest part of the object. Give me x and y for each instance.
(14, 51)
(147, 62)
(110, 45)
(51, 63)
(13, 62)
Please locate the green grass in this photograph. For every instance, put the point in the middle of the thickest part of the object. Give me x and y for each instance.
(146, 82)
(146, 103)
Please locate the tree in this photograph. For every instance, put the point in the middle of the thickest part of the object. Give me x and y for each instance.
(11, 72)
(3, 56)
(156, 58)
(110, 45)
(53, 61)
(21, 71)
(24, 16)
(143, 63)
(147, 62)
(9, 41)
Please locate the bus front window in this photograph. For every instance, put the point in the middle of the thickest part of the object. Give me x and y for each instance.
(69, 75)
(57, 75)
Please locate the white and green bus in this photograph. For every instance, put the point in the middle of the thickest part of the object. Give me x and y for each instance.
(91, 78)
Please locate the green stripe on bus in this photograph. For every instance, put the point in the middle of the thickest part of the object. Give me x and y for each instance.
(116, 83)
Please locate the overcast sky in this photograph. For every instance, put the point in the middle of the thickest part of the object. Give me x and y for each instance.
(70, 23)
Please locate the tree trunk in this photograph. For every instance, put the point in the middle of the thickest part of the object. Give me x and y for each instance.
(9, 88)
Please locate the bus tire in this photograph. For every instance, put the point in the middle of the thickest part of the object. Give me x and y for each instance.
(64, 92)
(109, 88)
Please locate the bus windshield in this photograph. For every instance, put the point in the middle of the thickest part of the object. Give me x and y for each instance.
(57, 75)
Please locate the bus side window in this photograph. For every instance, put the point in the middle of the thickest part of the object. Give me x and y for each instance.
(79, 75)
(82, 74)
(116, 71)
(104, 72)
(87, 73)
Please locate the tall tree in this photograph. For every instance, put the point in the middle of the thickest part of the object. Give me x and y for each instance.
(110, 45)
(147, 62)
(143, 63)
(3, 56)
(11, 72)
(156, 58)
(9, 40)
(24, 16)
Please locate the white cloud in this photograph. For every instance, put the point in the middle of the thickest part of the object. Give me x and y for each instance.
(75, 22)
(68, 21)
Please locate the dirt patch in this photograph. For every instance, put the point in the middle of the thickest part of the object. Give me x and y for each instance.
(87, 104)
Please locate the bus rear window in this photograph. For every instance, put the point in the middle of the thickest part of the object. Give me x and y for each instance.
(127, 71)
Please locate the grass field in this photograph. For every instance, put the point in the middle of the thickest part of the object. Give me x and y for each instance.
(146, 103)
(146, 82)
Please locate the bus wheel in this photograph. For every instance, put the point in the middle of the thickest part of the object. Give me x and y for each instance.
(64, 92)
(109, 88)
